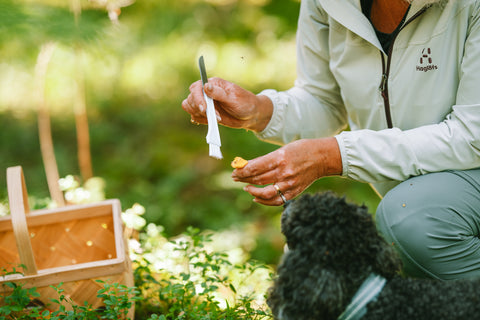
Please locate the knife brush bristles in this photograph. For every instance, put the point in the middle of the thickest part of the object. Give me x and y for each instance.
(215, 151)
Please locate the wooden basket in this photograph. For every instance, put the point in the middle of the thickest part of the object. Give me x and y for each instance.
(75, 244)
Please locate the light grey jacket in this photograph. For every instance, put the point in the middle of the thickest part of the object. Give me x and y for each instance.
(411, 111)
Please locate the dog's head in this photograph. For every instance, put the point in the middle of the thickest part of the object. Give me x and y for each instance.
(337, 234)
(333, 246)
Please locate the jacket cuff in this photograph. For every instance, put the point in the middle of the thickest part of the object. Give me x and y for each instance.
(343, 154)
(272, 131)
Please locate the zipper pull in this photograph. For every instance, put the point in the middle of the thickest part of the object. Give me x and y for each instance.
(383, 83)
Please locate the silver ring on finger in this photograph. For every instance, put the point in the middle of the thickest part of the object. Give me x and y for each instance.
(279, 192)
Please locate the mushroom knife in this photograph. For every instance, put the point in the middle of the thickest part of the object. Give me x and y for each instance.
(213, 134)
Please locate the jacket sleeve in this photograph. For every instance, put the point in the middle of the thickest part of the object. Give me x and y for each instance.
(454, 143)
(313, 107)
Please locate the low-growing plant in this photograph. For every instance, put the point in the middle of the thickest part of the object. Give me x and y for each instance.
(19, 303)
(203, 285)
(22, 303)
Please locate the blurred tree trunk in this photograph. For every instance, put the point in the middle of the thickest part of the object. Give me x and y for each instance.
(44, 126)
(80, 106)
(81, 121)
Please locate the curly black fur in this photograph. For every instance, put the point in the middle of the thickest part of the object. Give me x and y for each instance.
(333, 247)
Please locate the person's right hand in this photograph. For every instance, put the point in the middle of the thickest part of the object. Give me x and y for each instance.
(235, 106)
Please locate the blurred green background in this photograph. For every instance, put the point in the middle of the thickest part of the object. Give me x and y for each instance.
(136, 73)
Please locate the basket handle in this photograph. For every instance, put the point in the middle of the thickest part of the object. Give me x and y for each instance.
(18, 201)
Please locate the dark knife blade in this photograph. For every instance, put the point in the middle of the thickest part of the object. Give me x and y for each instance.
(203, 72)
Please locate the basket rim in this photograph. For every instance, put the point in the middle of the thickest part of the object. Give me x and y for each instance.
(70, 207)
(77, 272)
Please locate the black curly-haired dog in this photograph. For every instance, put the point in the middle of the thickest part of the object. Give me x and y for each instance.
(333, 248)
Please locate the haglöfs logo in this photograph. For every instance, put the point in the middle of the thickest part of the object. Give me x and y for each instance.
(426, 61)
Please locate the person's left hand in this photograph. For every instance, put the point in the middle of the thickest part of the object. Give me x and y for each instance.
(292, 168)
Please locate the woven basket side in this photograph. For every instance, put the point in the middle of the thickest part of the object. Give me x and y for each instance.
(73, 242)
(64, 243)
(9, 258)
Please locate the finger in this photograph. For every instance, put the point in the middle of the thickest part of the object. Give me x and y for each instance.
(276, 202)
(260, 171)
(196, 97)
(197, 121)
(187, 106)
(215, 90)
(266, 195)
(196, 115)
(265, 178)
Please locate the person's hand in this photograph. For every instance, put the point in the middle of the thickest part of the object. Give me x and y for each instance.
(235, 106)
(292, 168)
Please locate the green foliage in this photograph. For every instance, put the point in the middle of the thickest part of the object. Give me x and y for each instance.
(202, 287)
(118, 299)
(20, 303)
(17, 302)
(35, 23)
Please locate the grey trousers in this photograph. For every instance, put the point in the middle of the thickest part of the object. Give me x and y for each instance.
(433, 221)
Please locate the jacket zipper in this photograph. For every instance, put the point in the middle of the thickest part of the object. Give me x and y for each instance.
(384, 87)
(386, 71)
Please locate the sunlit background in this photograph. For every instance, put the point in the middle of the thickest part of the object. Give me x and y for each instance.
(127, 66)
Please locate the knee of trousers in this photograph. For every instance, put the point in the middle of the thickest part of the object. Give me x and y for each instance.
(405, 236)
(434, 235)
